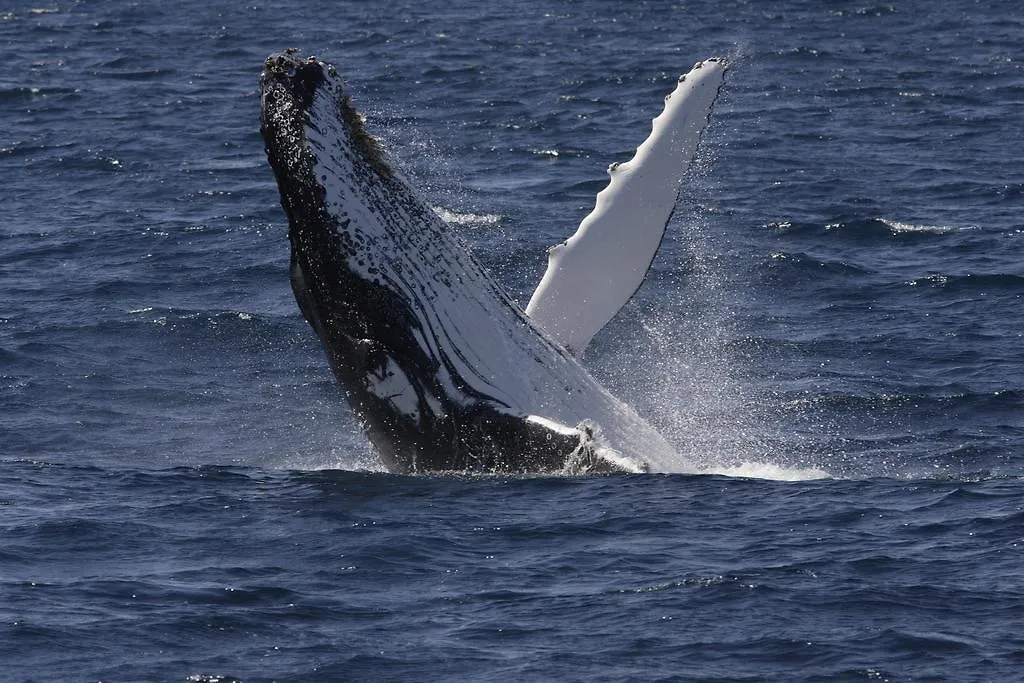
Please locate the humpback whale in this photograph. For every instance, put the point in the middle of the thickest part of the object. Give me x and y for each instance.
(443, 369)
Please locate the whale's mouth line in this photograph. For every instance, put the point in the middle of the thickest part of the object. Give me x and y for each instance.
(301, 78)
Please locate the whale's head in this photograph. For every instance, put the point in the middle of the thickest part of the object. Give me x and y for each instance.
(298, 93)
(333, 179)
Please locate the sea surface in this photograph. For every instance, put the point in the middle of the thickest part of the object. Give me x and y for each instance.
(832, 336)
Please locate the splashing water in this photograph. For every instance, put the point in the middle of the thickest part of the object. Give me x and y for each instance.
(692, 384)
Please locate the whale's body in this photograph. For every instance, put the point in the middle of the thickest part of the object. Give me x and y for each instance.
(444, 370)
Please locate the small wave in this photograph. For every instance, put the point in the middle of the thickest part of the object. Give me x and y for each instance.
(767, 470)
(970, 282)
(802, 266)
(456, 218)
(879, 11)
(801, 51)
(866, 228)
(20, 93)
(897, 226)
(165, 316)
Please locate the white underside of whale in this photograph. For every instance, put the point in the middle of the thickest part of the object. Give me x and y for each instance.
(481, 339)
(593, 273)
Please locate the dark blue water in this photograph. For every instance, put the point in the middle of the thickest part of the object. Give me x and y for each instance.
(185, 495)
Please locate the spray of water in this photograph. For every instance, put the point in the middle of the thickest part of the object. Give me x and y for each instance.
(693, 379)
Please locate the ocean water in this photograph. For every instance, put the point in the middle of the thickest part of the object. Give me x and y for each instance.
(832, 335)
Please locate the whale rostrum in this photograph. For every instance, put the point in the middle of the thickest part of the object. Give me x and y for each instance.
(443, 369)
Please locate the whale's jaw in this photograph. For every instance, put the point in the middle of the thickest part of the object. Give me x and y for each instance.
(445, 372)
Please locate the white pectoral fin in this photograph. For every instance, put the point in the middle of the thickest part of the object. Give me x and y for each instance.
(591, 275)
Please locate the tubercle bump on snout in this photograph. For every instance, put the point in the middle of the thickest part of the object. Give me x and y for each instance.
(302, 76)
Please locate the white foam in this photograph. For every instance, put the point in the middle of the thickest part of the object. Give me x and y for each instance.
(897, 226)
(767, 470)
(456, 218)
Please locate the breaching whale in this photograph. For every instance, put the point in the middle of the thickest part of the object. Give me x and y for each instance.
(444, 370)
